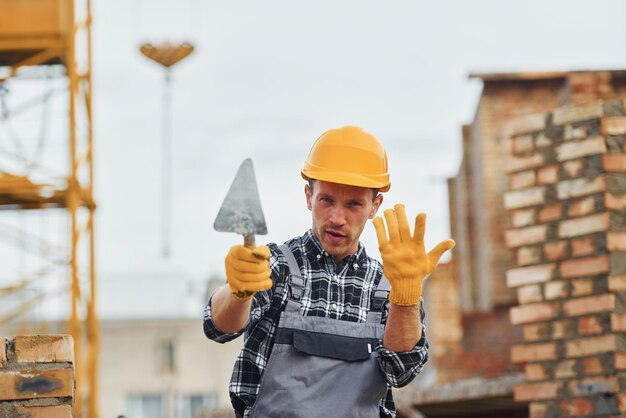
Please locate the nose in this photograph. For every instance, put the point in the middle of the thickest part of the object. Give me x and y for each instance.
(337, 216)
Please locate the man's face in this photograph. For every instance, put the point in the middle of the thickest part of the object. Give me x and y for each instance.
(339, 215)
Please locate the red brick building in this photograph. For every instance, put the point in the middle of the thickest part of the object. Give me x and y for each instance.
(541, 152)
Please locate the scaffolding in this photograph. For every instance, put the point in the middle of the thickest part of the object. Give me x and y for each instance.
(39, 38)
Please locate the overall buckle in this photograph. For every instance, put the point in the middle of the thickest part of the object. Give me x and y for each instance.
(379, 298)
(296, 287)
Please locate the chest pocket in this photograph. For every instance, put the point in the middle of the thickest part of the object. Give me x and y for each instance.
(328, 345)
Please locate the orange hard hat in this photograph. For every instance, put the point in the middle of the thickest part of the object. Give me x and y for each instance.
(348, 155)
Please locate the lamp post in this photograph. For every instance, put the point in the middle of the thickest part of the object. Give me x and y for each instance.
(167, 55)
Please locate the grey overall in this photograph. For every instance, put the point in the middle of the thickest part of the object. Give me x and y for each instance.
(322, 367)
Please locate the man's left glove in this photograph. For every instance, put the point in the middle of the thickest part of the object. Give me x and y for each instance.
(405, 262)
(248, 270)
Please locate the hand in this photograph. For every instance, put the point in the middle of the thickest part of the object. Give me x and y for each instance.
(248, 270)
(405, 262)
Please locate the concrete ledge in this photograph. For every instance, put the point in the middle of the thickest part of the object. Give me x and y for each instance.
(492, 394)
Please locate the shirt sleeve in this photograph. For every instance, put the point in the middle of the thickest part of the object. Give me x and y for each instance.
(400, 368)
(212, 331)
(260, 303)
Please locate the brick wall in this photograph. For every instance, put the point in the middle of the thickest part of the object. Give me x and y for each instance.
(476, 277)
(37, 376)
(482, 257)
(461, 223)
(465, 294)
(446, 336)
(501, 101)
(466, 346)
(567, 204)
(585, 87)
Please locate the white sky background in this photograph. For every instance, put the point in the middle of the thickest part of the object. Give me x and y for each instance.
(267, 78)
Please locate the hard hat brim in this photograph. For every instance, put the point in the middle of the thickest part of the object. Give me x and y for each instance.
(349, 179)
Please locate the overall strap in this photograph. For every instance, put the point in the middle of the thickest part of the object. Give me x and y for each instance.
(295, 282)
(379, 298)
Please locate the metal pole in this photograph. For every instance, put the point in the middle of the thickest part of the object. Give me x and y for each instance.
(93, 323)
(166, 150)
(73, 196)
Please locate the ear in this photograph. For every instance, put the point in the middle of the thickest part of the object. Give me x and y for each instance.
(378, 200)
(308, 193)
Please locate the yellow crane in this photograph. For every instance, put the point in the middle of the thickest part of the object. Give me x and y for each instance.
(47, 34)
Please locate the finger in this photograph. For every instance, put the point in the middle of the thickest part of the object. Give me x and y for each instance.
(263, 285)
(249, 278)
(381, 232)
(392, 225)
(243, 266)
(262, 252)
(242, 253)
(403, 223)
(435, 254)
(420, 228)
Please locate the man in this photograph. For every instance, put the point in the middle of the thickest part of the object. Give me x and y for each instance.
(321, 339)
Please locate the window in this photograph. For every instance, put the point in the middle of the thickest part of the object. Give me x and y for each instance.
(167, 356)
(145, 406)
(190, 406)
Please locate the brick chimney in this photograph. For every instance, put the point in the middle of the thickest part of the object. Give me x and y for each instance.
(37, 376)
(567, 205)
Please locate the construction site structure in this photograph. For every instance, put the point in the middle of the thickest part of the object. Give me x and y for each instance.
(43, 37)
(527, 318)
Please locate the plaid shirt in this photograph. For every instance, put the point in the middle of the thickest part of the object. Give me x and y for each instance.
(334, 291)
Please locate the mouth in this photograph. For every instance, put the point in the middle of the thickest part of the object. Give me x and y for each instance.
(334, 236)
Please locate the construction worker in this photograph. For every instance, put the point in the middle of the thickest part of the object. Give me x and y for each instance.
(324, 335)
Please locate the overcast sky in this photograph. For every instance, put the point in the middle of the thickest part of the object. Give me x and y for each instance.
(267, 78)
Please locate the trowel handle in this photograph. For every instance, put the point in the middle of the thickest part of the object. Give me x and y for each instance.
(248, 241)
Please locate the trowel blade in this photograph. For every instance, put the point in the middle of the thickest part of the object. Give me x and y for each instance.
(241, 211)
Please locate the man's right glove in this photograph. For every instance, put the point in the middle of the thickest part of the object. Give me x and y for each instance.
(248, 270)
(405, 261)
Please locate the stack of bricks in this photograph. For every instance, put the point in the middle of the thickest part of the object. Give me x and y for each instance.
(567, 206)
(37, 377)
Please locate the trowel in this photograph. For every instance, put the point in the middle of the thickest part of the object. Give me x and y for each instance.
(241, 211)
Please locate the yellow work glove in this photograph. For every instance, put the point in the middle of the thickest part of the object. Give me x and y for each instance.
(405, 262)
(248, 270)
